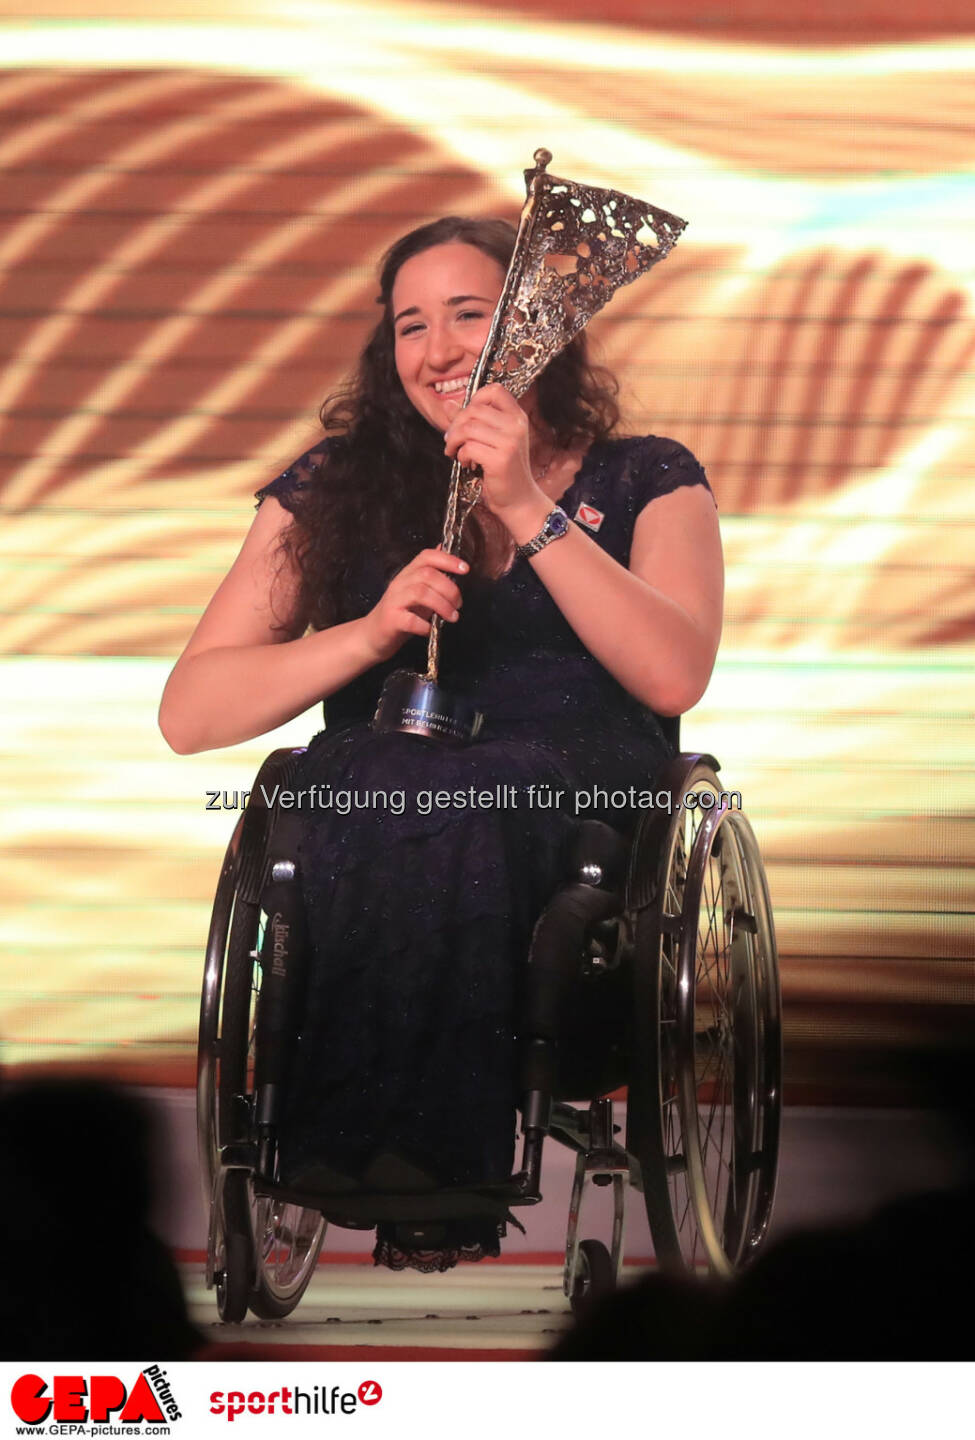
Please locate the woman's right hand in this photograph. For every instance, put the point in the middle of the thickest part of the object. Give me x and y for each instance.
(423, 588)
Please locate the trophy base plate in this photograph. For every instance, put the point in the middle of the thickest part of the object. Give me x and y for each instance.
(416, 706)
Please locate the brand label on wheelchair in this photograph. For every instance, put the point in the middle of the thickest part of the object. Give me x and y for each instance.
(143, 1404)
(279, 944)
(498, 797)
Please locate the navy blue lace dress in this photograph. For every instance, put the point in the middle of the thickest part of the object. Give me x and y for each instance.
(421, 905)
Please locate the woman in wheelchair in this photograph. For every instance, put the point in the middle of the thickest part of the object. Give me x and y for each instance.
(424, 866)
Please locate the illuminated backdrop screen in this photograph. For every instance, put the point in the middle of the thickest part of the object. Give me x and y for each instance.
(190, 218)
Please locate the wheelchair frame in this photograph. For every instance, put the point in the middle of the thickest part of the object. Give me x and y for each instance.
(691, 942)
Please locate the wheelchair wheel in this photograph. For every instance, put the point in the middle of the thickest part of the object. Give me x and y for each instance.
(283, 1242)
(596, 1276)
(705, 1083)
(261, 1249)
(233, 1278)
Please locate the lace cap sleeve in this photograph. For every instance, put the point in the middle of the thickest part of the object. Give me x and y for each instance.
(659, 466)
(287, 487)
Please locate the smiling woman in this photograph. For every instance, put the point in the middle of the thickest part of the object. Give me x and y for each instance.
(439, 337)
(572, 639)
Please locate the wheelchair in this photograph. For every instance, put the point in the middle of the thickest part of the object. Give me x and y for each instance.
(654, 970)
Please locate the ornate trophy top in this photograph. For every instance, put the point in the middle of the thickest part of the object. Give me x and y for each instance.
(576, 246)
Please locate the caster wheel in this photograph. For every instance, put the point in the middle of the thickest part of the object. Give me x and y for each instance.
(233, 1286)
(595, 1276)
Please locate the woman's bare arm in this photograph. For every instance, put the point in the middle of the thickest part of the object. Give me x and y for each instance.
(245, 669)
(656, 625)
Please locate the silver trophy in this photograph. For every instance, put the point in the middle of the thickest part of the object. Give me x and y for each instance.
(576, 246)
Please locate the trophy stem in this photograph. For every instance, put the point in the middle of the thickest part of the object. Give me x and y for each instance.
(465, 484)
(462, 495)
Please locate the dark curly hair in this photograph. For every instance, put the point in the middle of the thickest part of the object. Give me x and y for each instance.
(385, 475)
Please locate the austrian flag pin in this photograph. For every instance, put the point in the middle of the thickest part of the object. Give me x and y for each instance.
(589, 516)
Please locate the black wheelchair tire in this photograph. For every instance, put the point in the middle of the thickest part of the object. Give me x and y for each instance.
(233, 1281)
(595, 1277)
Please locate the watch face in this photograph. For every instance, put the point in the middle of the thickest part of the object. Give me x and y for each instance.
(558, 523)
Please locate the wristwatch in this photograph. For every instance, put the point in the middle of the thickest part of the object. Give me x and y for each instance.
(556, 525)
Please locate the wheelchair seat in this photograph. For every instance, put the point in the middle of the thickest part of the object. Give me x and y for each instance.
(652, 968)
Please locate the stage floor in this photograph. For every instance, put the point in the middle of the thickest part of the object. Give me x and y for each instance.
(488, 1311)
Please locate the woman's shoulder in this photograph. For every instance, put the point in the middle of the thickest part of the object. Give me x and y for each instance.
(288, 487)
(648, 466)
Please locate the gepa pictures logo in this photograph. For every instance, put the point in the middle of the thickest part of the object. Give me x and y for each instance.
(66, 1404)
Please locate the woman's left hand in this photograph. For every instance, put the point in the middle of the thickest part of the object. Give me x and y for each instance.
(494, 432)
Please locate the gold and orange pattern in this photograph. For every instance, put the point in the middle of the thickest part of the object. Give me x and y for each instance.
(191, 210)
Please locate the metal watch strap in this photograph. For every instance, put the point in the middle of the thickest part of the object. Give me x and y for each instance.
(556, 525)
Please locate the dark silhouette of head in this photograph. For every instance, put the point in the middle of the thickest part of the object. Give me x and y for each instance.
(93, 1281)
